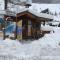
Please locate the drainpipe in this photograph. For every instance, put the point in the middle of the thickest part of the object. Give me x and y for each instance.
(16, 29)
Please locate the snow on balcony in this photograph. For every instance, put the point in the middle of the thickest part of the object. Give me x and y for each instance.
(46, 28)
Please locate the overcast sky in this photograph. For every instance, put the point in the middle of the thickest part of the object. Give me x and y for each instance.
(41, 1)
(46, 1)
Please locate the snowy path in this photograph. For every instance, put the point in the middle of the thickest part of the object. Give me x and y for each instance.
(46, 48)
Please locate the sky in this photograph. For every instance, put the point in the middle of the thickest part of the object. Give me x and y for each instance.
(43, 1)
(46, 1)
(40, 1)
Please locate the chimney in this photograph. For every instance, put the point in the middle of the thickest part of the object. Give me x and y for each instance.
(6, 1)
(28, 3)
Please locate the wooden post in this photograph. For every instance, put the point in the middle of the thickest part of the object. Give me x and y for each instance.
(44, 23)
(40, 27)
(16, 29)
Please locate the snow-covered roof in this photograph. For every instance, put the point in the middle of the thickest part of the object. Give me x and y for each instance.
(2, 12)
(46, 28)
(7, 12)
(14, 11)
(57, 18)
(10, 13)
(44, 15)
(55, 23)
(21, 1)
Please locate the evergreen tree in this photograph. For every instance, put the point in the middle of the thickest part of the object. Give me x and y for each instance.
(55, 14)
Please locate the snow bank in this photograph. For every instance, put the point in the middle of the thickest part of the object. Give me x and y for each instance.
(17, 50)
(46, 28)
(42, 49)
(51, 39)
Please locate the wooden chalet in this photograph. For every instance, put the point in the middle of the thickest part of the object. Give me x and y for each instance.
(28, 24)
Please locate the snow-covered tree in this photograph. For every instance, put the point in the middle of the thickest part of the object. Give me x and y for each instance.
(55, 13)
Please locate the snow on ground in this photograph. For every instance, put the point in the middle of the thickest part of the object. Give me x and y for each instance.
(52, 39)
(46, 48)
(46, 28)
